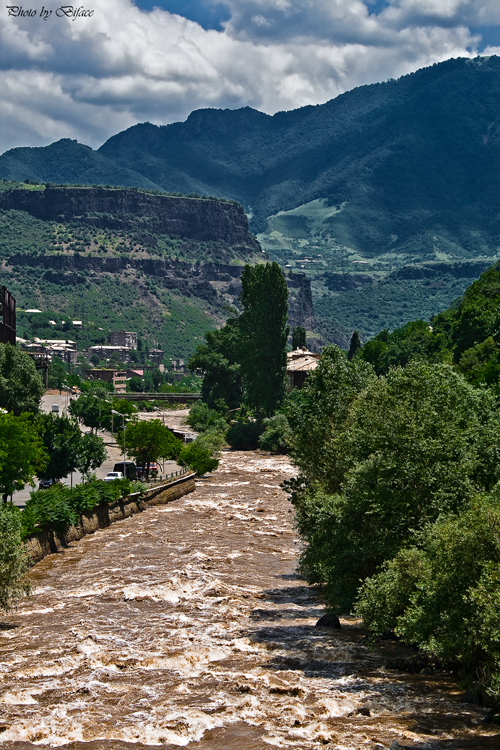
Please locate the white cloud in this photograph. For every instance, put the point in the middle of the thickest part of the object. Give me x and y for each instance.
(90, 78)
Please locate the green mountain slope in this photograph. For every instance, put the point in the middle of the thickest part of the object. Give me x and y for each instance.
(466, 335)
(384, 177)
(165, 266)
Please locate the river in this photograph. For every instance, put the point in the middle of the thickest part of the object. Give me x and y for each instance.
(188, 625)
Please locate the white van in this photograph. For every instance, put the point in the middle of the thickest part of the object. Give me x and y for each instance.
(55, 408)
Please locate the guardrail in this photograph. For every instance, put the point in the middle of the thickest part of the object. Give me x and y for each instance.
(162, 478)
(172, 397)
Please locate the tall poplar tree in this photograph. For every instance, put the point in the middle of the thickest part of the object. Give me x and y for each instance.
(263, 325)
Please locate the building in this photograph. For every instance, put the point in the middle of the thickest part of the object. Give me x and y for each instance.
(65, 349)
(124, 338)
(117, 377)
(106, 351)
(298, 366)
(156, 356)
(7, 317)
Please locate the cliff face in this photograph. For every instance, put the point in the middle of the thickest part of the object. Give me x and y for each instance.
(165, 266)
(202, 220)
(214, 283)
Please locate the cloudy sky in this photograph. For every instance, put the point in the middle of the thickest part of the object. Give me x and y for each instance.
(129, 61)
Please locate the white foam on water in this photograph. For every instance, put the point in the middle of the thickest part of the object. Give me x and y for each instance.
(20, 698)
(187, 663)
(179, 728)
(335, 707)
(52, 731)
(95, 590)
(63, 666)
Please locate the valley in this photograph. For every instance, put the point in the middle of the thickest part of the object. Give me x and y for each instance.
(354, 193)
(166, 266)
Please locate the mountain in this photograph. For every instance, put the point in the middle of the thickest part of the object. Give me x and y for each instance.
(355, 192)
(467, 335)
(124, 259)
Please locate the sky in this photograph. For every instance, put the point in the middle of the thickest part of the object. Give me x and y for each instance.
(89, 71)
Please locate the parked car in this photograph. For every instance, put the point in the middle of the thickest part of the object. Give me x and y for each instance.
(112, 475)
(154, 469)
(127, 468)
(45, 484)
(55, 408)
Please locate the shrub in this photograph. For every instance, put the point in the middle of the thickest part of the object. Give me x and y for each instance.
(244, 436)
(14, 584)
(277, 434)
(444, 593)
(198, 457)
(201, 417)
(49, 509)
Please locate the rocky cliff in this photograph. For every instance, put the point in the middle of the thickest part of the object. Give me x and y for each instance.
(217, 284)
(202, 220)
(168, 267)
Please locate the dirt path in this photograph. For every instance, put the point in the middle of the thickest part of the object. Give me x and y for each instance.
(187, 625)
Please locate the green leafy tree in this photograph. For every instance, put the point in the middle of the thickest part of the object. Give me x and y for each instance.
(263, 325)
(317, 414)
(443, 593)
(199, 457)
(62, 441)
(298, 337)
(201, 418)
(21, 386)
(94, 411)
(136, 384)
(50, 509)
(91, 453)
(22, 455)
(415, 444)
(150, 441)
(354, 346)
(218, 360)
(57, 373)
(277, 435)
(14, 583)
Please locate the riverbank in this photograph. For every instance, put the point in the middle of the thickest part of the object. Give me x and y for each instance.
(187, 625)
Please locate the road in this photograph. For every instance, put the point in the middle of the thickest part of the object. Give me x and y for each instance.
(115, 454)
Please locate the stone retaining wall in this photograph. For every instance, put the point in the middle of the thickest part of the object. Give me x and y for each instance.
(47, 542)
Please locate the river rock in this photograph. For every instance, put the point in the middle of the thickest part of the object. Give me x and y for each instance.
(328, 621)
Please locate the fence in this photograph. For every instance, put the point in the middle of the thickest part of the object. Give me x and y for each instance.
(162, 478)
(172, 397)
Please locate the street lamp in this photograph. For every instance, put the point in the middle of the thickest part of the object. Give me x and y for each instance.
(113, 411)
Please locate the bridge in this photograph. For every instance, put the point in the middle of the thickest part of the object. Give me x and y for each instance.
(176, 398)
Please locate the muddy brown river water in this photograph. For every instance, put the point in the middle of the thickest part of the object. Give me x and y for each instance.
(188, 626)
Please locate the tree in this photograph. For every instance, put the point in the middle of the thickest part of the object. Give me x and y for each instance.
(298, 337)
(150, 441)
(245, 361)
(198, 457)
(14, 584)
(136, 384)
(21, 386)
(91, 453)
(354, 346)
(263, 325)
(218, 360)
(413, 445)
(443, 593)
(317, 414)
(95, 411)
(62, 441)
(22, 456)
(57, 373)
